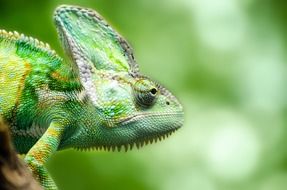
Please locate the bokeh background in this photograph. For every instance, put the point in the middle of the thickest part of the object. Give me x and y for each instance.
(226, 62)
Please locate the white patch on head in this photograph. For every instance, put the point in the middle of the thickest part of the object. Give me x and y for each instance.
(86, 78)
(114, 84)
(86, 71)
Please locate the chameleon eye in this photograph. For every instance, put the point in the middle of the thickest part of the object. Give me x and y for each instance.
(145, 92)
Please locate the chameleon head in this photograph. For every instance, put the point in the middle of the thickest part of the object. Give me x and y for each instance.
(136, 111)
(132, 108)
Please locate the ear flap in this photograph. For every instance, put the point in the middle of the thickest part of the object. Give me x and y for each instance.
(91, 42)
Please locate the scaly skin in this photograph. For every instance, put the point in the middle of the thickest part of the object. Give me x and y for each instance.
(98, 99)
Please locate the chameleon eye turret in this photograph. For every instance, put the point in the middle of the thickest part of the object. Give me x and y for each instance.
(145, 92)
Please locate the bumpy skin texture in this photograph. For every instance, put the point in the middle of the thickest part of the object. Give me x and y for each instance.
(97, 99)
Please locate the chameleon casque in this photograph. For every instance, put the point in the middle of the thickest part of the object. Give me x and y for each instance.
(95, 99)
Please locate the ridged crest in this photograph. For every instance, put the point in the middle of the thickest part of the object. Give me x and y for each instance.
(16, 37)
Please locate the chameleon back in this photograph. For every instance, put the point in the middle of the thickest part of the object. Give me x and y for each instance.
(29, 69)
(13, 72)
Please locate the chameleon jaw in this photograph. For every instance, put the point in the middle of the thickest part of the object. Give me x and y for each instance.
(143, 136)
(129, 146)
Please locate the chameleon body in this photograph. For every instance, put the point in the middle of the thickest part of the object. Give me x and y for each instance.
(95, 99)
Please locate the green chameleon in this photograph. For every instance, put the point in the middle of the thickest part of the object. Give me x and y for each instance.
(96, 99)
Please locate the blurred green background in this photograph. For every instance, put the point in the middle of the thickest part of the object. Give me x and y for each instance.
(224, 59)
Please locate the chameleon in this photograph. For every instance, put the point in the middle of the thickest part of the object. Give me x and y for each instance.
(93, 98)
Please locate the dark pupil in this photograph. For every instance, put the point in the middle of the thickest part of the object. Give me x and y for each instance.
(146, 98)
(153, 91)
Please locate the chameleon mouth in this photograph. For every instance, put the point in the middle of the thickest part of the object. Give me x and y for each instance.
(139, 116)
(129, 146)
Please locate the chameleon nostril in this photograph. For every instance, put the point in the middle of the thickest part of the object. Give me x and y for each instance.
(167, 102)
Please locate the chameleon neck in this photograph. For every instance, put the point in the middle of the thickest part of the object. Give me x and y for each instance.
(83, 116)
